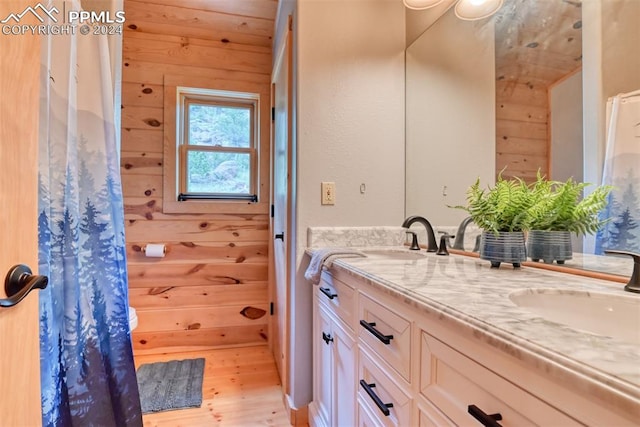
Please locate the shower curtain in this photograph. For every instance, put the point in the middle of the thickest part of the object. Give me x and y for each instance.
(87, 371)
(621, 169)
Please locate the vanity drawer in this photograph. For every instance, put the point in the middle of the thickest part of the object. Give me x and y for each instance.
(453, 382)
(339, 297)
(383, 389)
(387, 333)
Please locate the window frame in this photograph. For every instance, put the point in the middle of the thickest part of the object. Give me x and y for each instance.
(239, 92)
(197, 96)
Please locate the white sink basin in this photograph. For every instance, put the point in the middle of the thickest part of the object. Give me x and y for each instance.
(612, 315)
(398, 254)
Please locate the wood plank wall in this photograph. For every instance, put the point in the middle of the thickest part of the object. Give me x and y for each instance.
(522, 128)
(533, 52)
(211, 288)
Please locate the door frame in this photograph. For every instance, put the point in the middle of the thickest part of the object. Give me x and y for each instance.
(283, 58)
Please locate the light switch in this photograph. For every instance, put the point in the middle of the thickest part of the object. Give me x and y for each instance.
(328, 193)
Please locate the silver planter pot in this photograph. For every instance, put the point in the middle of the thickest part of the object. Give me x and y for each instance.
(506, 246)
(549, 246)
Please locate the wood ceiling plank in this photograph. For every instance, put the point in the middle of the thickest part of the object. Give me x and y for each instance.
(538, 42)
(264, 9)
(186, 18)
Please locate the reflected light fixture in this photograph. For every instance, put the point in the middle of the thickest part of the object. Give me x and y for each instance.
(421, 4)
(468, 10)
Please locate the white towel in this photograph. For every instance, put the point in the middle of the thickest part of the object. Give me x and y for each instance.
(325, 257)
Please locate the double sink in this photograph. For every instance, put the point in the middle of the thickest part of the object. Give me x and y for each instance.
(600, 313)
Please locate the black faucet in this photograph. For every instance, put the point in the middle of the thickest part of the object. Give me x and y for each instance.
(458, 243)
(432, 246)
(634, 281)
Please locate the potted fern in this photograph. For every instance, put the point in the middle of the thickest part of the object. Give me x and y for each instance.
(501, 212)
(558, 210)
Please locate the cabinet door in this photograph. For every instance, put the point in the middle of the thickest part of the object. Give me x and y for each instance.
(344, 380)
(322, 365)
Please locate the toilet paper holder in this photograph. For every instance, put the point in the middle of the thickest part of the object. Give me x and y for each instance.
(154, 250)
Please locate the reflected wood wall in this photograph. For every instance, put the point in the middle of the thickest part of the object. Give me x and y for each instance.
(522, 129)
(537, 45)
(211, 288)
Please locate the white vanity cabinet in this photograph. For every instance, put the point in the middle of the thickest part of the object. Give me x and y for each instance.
(396, 362)
(334, 348)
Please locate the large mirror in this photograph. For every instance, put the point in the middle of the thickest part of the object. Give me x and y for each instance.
(526, 89)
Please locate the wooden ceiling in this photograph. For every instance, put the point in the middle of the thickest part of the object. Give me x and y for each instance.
(246, 22)
(538, 42)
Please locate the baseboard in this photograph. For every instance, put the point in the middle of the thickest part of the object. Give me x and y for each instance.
(298, 417)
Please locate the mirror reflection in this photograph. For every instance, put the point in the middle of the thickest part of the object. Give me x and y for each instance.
(526, 89)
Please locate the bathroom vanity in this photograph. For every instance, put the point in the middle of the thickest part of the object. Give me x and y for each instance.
(407, 338)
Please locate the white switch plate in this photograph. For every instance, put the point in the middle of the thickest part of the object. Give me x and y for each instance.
(328, 193)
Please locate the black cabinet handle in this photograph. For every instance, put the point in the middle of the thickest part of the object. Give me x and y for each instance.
(19, 282)
(328, 293)
(386, 339)
(384, 407)
(327, 338)
(280, 236)
(487, 420)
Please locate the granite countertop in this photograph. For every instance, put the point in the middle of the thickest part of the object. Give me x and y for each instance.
(466, 290)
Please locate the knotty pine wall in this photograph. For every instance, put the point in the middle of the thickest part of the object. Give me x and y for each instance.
(211, 288)
(522, 129)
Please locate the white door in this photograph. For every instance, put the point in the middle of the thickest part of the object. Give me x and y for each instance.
(281, 200)
(19, 346)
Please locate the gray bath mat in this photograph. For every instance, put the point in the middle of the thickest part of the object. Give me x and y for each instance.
(170, 385)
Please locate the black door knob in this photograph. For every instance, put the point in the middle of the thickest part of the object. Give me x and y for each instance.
(19, 282)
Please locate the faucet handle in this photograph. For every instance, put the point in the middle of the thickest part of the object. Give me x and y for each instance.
(414, 241)
(634, 281)
(446, 238)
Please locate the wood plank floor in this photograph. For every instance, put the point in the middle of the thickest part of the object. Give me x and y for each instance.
(241, 387)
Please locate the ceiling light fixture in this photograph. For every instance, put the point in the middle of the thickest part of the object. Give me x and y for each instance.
(468, 10)
(471, 10)
(421, 4)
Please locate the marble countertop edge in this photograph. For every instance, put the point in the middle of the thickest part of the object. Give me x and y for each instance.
(593, 380)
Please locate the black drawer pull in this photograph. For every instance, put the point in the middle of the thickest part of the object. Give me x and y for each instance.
(487, 420)
(386, 339)
(384, 407)
(328, 293)
(327, 338)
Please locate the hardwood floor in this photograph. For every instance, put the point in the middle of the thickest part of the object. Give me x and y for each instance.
(240, 388)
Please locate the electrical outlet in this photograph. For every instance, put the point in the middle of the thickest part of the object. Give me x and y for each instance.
(328, 193)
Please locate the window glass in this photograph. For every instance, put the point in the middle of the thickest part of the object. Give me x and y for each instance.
(219, 126)
(218, 172)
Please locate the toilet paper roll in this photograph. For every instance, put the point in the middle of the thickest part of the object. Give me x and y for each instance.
(156, 250)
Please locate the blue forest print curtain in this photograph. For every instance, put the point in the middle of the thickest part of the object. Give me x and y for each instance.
(621, 170)
(87, 372)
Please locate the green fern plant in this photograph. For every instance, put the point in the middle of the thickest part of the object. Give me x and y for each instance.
(503, 207)
(559, 206)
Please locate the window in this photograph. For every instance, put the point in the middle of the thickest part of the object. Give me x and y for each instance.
(217, 145)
